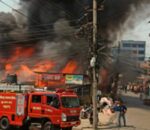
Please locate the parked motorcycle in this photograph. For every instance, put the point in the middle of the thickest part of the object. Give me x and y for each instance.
(85, 112)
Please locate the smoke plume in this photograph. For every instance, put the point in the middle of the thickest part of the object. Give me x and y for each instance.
(49, 27)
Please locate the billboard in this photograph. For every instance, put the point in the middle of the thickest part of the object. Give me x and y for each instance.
(73, 79)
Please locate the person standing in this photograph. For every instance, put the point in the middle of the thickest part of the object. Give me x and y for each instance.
(122, 112)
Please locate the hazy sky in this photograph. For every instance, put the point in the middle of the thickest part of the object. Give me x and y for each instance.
(12, 3)
(140, 32)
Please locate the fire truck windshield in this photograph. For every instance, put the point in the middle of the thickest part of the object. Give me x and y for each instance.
(70, 102)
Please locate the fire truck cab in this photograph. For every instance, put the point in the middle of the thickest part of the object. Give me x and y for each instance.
(53, 110)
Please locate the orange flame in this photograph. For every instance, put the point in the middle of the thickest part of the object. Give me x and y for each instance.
(9, 68)
(20, 53)
(70, 67)
(26, 71)
(43, 66)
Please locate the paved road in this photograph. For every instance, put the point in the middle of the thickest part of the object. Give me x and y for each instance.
(138, 116)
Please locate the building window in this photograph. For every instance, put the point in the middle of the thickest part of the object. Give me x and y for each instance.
(126, 45)
(135, 52)
(141, 52)
(141, 58)
(141, 45)
(134, 45)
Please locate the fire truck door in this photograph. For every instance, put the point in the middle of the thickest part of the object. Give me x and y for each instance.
(35, 106)
(52, 108)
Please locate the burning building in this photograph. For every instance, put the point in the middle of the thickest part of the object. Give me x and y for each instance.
(41, 37)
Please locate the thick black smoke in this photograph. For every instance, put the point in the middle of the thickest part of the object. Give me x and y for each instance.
(41, 15)
(50, 26)
(115, 14)
(7, 24)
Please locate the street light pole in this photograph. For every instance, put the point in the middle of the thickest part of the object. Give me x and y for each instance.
(94, 84)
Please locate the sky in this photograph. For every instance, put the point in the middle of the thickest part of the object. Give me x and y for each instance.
(140, 32)
(12, 3)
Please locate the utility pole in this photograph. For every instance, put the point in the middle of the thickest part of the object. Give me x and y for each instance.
(94, 49)
(91, 32)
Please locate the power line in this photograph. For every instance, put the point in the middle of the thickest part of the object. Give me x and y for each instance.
(116, 14)
(59, 7)
(16, 10)
(33, 39)
(133, 67)
(48, 24)
(46, 11)
(26, 16)
(32, 19)
(47, 32)
(42, 24)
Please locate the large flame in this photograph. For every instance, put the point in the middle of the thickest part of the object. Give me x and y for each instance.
(70, 67)
(43, 66)
(8, 68)
(18, 53)
(21, 63)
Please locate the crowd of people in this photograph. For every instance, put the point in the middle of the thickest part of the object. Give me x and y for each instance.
(108, 106)
(136, 88)
(115, 108)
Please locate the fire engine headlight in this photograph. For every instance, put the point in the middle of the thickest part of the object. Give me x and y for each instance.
(64, 117)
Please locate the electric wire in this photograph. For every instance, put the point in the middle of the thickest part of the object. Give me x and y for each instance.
(40, 33)
(25, 16)
(59, 7)
(61, 53)
(48, 24)
(33, 39)
(17, 11)
(116, 14)
(37, 25)
(133, 67)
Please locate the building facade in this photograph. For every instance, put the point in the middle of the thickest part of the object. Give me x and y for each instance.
(134, 50)
(128, 56)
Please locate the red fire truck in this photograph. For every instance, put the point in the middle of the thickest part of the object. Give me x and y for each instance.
(53, 110)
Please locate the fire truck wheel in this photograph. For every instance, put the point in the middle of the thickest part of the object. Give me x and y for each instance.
(4, 123)
(48, 126)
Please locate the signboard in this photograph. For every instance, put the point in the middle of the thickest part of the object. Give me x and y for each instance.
(73, 79)
(51, 77)
(20, 104)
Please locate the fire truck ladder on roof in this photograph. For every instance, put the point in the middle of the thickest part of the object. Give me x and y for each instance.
(16, 87)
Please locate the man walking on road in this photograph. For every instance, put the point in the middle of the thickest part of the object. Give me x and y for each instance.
(122, 112)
